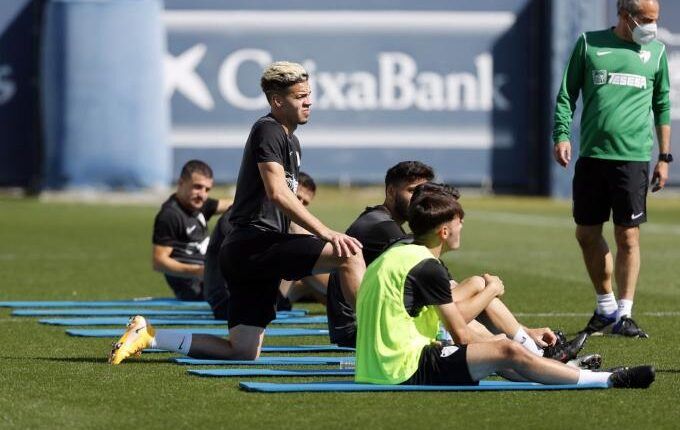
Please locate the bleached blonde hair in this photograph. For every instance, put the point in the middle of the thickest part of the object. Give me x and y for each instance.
(278, 76)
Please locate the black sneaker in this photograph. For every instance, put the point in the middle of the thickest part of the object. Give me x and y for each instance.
(561, 338)
(633, 377)
(629, 328)
(566, 351)
(588, 362)
(598, 323)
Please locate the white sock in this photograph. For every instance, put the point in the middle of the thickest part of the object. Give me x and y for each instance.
(526, 341)
(588, 377)
(625, 309)
(606, 304)
(172, 340)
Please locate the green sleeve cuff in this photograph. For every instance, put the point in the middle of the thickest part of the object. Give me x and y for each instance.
(662, 118)
(561, 138)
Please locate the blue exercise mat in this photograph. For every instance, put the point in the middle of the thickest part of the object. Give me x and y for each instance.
(141, 302)
(284, 348)
(169, 321)
(271, 372)
(267, 361)
(112, 312)
(126, 312)
(349, 386)
(144, 302)
(201, 330)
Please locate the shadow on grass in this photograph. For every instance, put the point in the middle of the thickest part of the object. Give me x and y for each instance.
(667, 370)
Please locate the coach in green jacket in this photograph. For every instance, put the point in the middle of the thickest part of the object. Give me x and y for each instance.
(622, 74)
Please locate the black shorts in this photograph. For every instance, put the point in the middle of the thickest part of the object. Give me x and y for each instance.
(254, 262)
(342, 322)
(604, 186)
(442, 366)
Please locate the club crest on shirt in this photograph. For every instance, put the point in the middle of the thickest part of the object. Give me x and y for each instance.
(291, 182)
(599, 77)
(645, 56)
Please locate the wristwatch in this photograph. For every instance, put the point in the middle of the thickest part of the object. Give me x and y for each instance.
(668, 157)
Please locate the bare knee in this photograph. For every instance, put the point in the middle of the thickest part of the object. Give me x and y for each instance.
(354, 263)
(627, 238)
(477, 283)
(512, 352)
(589, 236)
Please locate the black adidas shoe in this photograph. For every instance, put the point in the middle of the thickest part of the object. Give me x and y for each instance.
(566, 351)
(598, 323)
(629, 328)
(633, 377)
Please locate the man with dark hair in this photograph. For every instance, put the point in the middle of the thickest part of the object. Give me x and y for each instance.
(215, 289)
(622, 74)
(180, 232)
(376, 228)
(406, 292)
(260, 251)
(478, 297)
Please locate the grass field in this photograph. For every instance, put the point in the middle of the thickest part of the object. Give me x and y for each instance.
(64, 251)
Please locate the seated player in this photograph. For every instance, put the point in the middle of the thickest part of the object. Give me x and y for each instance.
(406, 292)
(215, 289)
(180, 231)
(379, 226)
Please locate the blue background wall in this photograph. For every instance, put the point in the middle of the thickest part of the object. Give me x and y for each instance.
(468, 87)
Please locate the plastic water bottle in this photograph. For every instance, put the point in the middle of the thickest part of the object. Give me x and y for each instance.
(444, 336)
(347, 364)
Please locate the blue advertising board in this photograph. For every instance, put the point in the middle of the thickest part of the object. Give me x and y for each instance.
(443, 82)
(19, 114)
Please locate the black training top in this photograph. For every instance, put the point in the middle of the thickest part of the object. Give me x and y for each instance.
(428, 283)
(186, 232)
(376, 230)
(220, 232)
(267, 142)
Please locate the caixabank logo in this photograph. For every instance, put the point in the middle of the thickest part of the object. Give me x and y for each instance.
(379, 78)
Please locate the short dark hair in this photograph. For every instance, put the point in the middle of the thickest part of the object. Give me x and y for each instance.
(304, 180)
(195, 166)
(430, 209)
(630, 6)
(436, 187)
(408, 171)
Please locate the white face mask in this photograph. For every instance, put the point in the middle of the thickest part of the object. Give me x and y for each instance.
(644, 34)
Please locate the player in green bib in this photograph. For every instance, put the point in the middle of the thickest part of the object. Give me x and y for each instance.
(404, 294)
(621, 74)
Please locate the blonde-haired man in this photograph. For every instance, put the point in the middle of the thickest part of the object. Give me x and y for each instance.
(260, 251)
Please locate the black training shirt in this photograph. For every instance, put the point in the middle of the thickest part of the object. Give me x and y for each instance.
(427, 283)
(267, 142)
(185, 231)
(376, 230)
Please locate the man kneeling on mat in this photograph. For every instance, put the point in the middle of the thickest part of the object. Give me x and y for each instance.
(406, 292)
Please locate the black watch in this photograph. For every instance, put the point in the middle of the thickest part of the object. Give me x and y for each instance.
(668, 157)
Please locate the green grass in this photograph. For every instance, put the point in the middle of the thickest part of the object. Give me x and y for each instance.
(65, 251)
